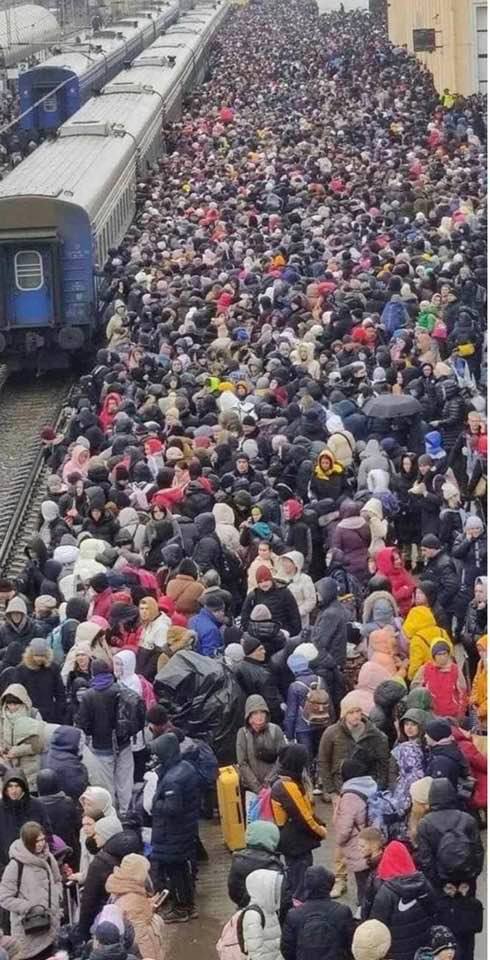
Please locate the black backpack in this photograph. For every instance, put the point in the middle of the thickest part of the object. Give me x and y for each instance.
(130, 715)
(457, 855)
(316, 938)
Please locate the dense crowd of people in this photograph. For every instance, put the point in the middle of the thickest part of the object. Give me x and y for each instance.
(271, 489)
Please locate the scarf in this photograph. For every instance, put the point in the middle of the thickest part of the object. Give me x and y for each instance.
(101, 681)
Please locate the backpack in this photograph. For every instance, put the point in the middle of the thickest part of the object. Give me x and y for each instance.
(375, 810)
(317, 709)
(315, 937)
(231, 945)
(261, 806)
(456, 855)
(204, 761)
(230, 568)
(55, 640)
(130, 715)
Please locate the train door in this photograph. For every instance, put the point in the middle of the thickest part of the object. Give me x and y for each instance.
(30, 294)
(52, 111)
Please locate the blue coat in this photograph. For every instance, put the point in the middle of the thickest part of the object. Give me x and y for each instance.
(297, 694)
(63, 756)
(208, 633)
(175, 813)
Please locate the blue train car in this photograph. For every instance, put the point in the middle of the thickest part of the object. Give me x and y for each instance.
(64, 82)
(73, 199)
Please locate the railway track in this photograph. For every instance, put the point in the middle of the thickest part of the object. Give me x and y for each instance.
(25, 409)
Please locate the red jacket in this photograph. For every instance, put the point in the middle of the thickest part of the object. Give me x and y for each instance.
(447, 699)
(401, 581)
(102, 603)
(168, 497)
(478, 768)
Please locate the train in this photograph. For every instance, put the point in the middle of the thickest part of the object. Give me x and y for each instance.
(53, 91)
(73, 199)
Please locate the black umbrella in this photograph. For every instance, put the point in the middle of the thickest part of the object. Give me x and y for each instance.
(391, 406)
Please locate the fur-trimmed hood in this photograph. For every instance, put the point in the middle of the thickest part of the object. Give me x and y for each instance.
(29, 661)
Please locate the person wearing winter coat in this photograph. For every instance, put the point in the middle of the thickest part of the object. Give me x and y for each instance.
(461, 858)
(155, 626)
(208, 552)
(299, 584)
(17, 807)
(62, 812)
(207, 626)
(477, 763)
(373, 457)
(292, 807)
(351, 816)
(258, 745)
(353, 537)
(444, 679)
(352, 733)
(420, 630)
(479, 694)
(440, 568)
(130, 889)
(329, 633)
(390, 564)
(255, 676)
(475, 626)
(185, 589)
(445, 758)
(265, 558)
(470, 548)
(260, 853)
(328, 478)
(319, 924)
(278, 600)
(17, 625)
(111, 747)
(175, 822)
(124, 663)
(409, 757)
(22, 733)
(225, 527)
(261, 931)
(404, 902)
(380, 609)
(296, 532)
(296, 727)
(386, 707)
(32, 879)
(108, 844)
(64, 758)
(372, 513)
(41, 678)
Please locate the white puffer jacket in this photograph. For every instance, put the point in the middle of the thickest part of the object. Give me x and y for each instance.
(264, 889)
(302, 587)
(225, 526)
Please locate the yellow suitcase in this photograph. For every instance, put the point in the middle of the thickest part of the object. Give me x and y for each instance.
(231, 809)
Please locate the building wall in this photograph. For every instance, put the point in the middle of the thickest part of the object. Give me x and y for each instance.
(460, 60)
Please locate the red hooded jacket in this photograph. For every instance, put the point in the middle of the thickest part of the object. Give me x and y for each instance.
(401, 581)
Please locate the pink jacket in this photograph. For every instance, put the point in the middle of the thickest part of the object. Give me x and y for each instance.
(350, 818)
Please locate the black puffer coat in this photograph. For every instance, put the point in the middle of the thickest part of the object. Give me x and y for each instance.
(94, 894)
(444, 818)
(387, 696)
(282, 605)
(330, 631)
(406, 906)
(208, 553)
(245, 862)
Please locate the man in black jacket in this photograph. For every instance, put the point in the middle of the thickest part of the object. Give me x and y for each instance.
(208, 553)
(111, 746)
(255, 677)
(62, 812)
(320, 927)
(109, 844)
(330, 631)
(449, 847)
(41, 678)
(445, 757)
(441, 570)
(278, 600)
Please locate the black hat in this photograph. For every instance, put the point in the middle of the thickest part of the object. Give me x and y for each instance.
(250, 644)
(442, 938)
(431, 541)
(438, 730)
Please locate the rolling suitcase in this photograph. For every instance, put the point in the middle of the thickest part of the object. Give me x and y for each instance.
(71, 902)
(230, 808)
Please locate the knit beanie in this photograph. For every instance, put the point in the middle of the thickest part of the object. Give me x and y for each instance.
(39, 647)
(442, 938)
(263, 574)
(351, 701)
(371, 941)
(107, 827)
(260, 613)
(419, 790)
(431, 541)
(107, 934)
(249, 644)
(306, 650)
(100, 666)
(438, 730)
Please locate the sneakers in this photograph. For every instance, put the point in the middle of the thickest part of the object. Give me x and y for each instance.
(338, 889)
(180, 915)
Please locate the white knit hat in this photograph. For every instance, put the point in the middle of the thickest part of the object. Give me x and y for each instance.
(371, 941)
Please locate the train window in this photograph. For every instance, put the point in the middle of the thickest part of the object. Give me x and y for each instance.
(29, 273)
(50, 104)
